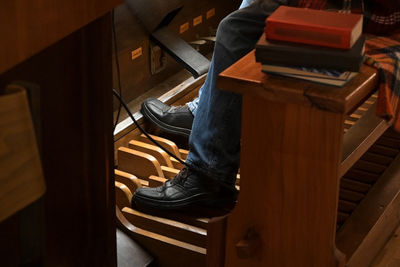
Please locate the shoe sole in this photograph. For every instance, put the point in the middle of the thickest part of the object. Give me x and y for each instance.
(201, 200)
(166, 127)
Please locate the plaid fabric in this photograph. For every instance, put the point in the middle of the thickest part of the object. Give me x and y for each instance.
(381, 17)
(383, 53)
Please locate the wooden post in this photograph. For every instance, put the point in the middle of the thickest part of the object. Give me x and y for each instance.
(286, 212)
(65, 49)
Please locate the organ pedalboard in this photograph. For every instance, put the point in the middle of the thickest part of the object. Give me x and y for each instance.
(177, 238)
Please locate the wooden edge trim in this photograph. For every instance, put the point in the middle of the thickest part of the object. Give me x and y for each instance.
(360, 137)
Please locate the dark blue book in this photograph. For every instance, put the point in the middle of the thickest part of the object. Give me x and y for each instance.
(293, 54)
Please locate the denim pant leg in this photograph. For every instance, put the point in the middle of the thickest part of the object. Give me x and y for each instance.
(246, 3)
(195, 103)
(215, 138)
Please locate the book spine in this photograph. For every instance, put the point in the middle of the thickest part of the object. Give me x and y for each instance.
(306, 34)
(298, 59)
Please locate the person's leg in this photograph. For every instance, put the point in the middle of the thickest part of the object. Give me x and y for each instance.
(175, 120)
(195, 103)
(246, 3)
(215, 138)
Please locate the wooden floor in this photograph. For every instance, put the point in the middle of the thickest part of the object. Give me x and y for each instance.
(390, 254)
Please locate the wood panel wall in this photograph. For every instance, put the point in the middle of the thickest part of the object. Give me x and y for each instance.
(74, 223)
(136, 77)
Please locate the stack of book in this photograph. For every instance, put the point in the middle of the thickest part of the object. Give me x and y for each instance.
(319, 46)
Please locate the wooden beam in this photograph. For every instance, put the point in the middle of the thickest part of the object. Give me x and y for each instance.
(360, 137)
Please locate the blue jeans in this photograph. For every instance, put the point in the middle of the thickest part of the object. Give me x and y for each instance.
(195, 103)
(246, 3)
(215, 139)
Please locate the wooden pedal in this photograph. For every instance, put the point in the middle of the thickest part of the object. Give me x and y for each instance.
(237, 182)
(130, 180)
(370, 218)
(184, 153)
(170, 228)
(384, 150)
(155, 181)
(161, 156)
(176, 164)
(350, 195)
(169, 173)
(346, 206)
(369, 166)
(123, 196)
(389, 142)
(141, 164)
(377, 158)
(169, 145)
(352, 118)
(354, 185)
(191, 218)
(168, 251)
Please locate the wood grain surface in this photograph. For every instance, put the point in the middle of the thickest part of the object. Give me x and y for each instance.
(249, 78)
(21, 176)
(27, 27)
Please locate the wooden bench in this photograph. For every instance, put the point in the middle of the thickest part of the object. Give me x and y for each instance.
(295, 150)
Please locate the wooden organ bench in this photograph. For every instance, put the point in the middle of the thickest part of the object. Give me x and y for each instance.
(319, 183)
(301, 205)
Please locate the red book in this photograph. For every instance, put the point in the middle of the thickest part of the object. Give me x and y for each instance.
(315, 27)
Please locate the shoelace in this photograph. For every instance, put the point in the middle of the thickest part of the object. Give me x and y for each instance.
(181, 177)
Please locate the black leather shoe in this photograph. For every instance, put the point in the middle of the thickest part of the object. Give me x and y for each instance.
(176, 120)
(187, 188)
